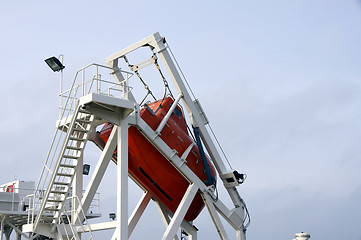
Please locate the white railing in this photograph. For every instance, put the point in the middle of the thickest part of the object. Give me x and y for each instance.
(94, 208)
(89, 79)
(72, 225)
(93, 78)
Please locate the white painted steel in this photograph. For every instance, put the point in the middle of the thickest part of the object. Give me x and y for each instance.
(62, 174)
(185, 225)
(180, 212)
(122, 181)
(169, 113)
(77, 189)
(164, 213)
(19, 233)
(186, 152)
(99, 171)
(138, 212)
(196, 113)
(97, 226)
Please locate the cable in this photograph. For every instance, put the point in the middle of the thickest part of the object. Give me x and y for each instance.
(248, 216)
(219, 145)
(175, 60)
(190, 89)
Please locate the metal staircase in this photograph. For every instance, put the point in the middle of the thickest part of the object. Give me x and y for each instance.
(51, 206)
(54, 198)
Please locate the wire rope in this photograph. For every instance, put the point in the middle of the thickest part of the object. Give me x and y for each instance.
(190, 89)
(219, 145)
(185, 79)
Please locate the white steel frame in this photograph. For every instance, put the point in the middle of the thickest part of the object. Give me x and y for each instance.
(125, 114)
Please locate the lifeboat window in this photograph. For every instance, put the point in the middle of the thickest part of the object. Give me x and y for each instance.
(177, 111)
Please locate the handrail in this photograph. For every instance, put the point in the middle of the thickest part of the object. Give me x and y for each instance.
(83, 82)
(76, 201)
(72, 95)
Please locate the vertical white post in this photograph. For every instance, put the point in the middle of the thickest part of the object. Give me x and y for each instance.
(119, 78)
(61, 88)
(122, 181)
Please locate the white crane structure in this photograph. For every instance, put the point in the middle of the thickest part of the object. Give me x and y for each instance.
(93, 101)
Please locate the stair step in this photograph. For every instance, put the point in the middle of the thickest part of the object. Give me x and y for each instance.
(73, 148)
(70, 156)
(58, 192)
(67, 166)
(80, 130)
(59, 187)
(80, 120)
(83, 111)
(61, 183)
(51, 209)
(55, 200)
(65, 174)
(76, 139)
(47, 218)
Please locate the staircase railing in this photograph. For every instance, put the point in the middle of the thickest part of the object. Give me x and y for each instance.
(81, 86)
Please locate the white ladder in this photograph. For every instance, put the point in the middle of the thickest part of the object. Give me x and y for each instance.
(63, 173)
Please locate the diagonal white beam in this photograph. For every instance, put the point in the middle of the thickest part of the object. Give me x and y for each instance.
(180, 212)
(164, 213)
(138, 212)
(186, 226)
(17, 230)
(98, 172)
(215, 217)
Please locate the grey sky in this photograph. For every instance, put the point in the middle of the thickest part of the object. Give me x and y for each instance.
(279, 80)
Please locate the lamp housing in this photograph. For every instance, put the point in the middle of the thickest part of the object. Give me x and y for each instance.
(54, 64)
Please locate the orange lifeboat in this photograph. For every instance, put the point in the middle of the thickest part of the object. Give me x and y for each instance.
(152, 170)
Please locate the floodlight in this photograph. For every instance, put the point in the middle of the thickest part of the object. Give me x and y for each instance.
(54, 64)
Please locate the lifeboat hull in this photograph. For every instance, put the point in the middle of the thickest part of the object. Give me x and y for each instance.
(151, 169)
